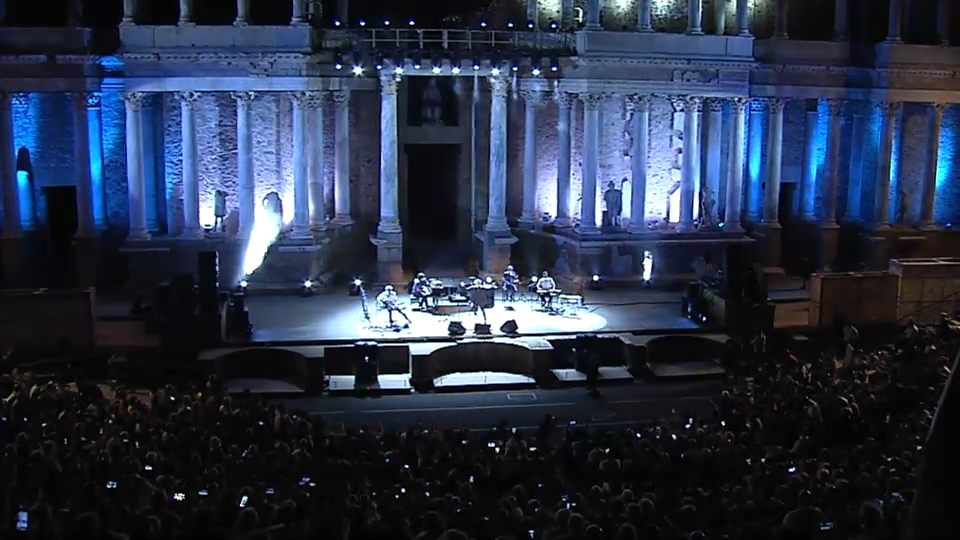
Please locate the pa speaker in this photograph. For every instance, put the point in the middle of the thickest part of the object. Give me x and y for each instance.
(456, 329)
(208, 281)
(367, 367)
(510, 327)
(481, 329)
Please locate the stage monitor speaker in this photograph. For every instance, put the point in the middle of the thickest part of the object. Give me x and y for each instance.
(456, 329)
(510, 327)
(367, 366)
(208, 281)
(736, 265)
(481, 329)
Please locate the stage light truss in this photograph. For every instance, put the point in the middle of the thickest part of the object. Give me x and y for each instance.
(441, 62)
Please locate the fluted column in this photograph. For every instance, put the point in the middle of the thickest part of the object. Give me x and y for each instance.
(298, 15)
(780, 19)
(731, 216)
(95, 138)
(944, 14)
(136, 190)
(497, 196)
(743, 18)
(316, 169)
(247, 188)
(714, 143)
(853, 213)
(190, 167)
(389, 212)
(565, 104)
(531, 100)
(301, 181)
(808, 173)
(771, 193)
(12, 228)
(129, 13)
(243, 13)
(186, 13)
(695, 17)
(593, 15)
(840, 32)
(644, 18)
(590, 150)
(690, 170)
(81, 156)
(720, 16)
(341, 177)
(754, 165)
(640, 105)
(894, 20)
(929, 195)
(829, 201)
(881, 209)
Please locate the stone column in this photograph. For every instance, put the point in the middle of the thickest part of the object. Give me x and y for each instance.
(136, 190)
(943, 21)
(497, 210)
(532, 100)
(298, 17)
(316, 170)
(247, 190)
(532, 11)
(754, 166)
(12, 227)
(190, 167)
(853, 214)
(243, 13)
(720, 16)
(894, 21)
(640, 105)
(389, 213)
(186, 13)
(808, 174)
(714, 143)
(644, 18)
(341, 177)
(565, 104)
(690, 167)
(780, 19)
(592, 21)
(771, 193)
(694, 17)
(743, 18)
(95, 136)
(86, 227)
(829, 202)
(129, 13)
(731, 216)
(840, 32)
(590, 150)
(929, 195)
(881, 209)
(301, 183)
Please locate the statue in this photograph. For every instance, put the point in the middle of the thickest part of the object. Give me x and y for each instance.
(613, 198)
(707, 205)
(219, 210)
(274, 207)
(903, 207)
(431, 108)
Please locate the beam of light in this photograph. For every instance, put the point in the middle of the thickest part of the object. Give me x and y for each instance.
(266, 229)
(25, 192)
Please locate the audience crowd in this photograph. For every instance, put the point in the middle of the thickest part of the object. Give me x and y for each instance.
(800, 445)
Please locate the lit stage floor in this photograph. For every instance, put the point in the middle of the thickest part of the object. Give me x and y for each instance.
(340, 317)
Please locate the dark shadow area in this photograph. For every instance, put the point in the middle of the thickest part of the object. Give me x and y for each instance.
(431, 201)
(432, 101)
(61, 220)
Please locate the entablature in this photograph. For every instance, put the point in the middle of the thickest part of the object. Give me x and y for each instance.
(51, 40)
(631, 45)
(895, 56)
(246, 84)
(901, 95)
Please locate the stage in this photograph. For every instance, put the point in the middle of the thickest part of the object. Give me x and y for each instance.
(339, 316)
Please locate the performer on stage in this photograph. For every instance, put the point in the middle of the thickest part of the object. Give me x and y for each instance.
(388, 300)
(481, 295)
(422, 292)
(545, 288)
(510, 284)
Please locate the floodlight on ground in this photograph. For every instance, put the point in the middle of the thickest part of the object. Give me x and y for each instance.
(358, 70)
(596, 283)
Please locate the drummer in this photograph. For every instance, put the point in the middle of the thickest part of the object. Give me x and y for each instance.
(545, 289)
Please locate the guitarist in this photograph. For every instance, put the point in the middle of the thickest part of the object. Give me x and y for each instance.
(422, 292)
(389, 301)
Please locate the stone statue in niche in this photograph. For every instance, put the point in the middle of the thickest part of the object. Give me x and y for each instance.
(274, 207)
(677, 160)
(903, 207)
(707, 204)
(219, 210)
(431, 107)
(613, 198)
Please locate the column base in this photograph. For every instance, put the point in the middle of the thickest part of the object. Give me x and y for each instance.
(496, 251)
(298, 22)
(497, 226)
(318, 227)
(342, 220)
(181, 24)
(138, 235)
(389, 226)
(13, 258)
(685, 228)
(588, 231)
(563, 223)
(929, 227)
(239, 23)
(127, 23)
(389, 257)
(527, 221)
(300, 232)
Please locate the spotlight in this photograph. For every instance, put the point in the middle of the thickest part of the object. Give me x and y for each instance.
(307, 289)
(455, 70)
(243, 284)
(307, 284)
(417, 62)
(596, 283)
(362, 23)
(531, 25)
(379, 64)
(386, 22)
(476, 67)
(515, 66)
(338, 66)
(483, 24)
(509, 24)
(398, 70)
(536, 72)
(554, 25)
(721, 225)
(495, 71)
(411, 22)
(358, 70)
(355, 287)
(554, 64)
(357, 282)
(435, 70)
(336, 22)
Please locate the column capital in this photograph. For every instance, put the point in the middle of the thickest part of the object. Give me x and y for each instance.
(692, 104)
(134, 100)
(498, 86)
(638, 102)
(19, 99)
(591, 100)
(835, 107)
(341, 98)
(94, 99)
(739, 104)
(776, 105)
(532, 97)
(314, 99)
(757, 105)
(939, 108)
(299, 99)
(243, 98)
(566, 100)
(188, 99)
(388, 84)
(715, 105)
(889, 109)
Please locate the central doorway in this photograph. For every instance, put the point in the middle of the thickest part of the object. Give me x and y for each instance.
(430, 210)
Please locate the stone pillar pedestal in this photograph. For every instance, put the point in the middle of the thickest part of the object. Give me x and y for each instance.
(13, 257)
(496, 251)
(86, 250)
(768, 236)
(389, 256)
(829, 242)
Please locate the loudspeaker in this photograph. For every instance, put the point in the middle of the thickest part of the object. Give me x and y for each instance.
(456, 329)
(736, 266)
(208, 282)
(482, 329)
(367, 363)
(509, 327)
